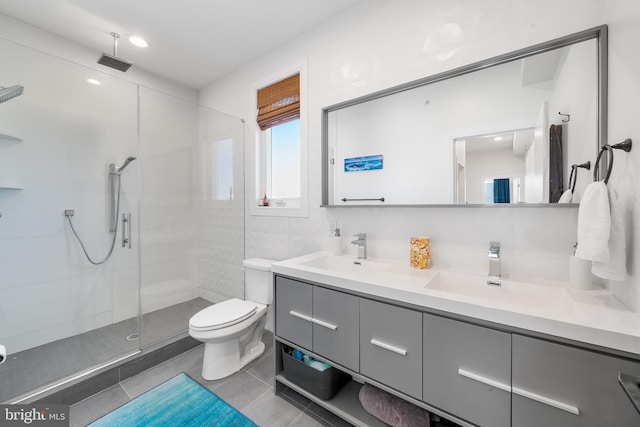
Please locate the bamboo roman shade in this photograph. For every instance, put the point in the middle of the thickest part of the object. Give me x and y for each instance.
(279, 103)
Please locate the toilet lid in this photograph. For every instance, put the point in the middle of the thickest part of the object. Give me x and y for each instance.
(223, 314)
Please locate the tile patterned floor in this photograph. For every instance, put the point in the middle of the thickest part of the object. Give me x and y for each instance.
(250, 391)
(33, 368)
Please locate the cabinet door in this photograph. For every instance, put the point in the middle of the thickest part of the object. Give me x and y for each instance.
(294, 311)
(336, 323)
(391, 346)
(467, 371)
(558, 385)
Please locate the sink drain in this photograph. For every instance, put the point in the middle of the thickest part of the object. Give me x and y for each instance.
(132, 337)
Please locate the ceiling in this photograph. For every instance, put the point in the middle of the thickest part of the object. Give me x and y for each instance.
(193, 42)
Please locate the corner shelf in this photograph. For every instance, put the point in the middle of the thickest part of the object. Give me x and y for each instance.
(9, 138)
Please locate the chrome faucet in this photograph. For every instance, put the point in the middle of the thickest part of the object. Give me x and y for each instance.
(494, 264)
(361, 241)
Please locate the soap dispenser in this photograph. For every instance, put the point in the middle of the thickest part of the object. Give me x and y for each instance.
(336, 242)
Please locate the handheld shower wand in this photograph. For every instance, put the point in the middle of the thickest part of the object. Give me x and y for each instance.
(114, 209)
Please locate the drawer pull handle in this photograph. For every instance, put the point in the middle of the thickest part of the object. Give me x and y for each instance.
(388, 347)
(325, 324)
(485, 380)
(312, 320)
(547, 401)
(301, 316)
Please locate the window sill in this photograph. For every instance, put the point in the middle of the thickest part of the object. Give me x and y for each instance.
(291, 209)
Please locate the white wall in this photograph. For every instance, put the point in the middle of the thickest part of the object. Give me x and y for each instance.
(378, 44)
(623, 18)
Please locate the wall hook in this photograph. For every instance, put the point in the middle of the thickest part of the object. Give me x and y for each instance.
(568, 117)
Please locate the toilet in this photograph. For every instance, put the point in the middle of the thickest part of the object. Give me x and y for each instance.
(231, 329)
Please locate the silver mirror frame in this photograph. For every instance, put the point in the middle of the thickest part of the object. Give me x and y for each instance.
(600, 34)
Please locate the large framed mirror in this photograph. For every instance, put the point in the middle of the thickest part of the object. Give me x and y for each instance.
(507, 130)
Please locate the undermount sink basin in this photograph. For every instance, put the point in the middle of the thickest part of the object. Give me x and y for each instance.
(349, 265)
(510, 292)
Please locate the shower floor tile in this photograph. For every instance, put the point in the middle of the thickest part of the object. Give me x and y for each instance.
(36, 367)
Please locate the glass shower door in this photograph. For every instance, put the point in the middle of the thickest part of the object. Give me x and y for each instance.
(192, 210)
(60, 315)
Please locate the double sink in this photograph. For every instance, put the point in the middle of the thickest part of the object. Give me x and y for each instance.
(549, 307)
(466, 285)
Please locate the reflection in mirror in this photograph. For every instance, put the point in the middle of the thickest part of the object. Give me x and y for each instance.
(497, 168)
(547, 103)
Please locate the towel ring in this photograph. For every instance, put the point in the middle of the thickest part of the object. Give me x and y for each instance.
(573, 177)
(624, 146)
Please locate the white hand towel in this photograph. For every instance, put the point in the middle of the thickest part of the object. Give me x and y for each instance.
(616, 268)
(566, 197)
(594, 223)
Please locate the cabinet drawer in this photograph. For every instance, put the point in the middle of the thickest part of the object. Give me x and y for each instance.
(391, 346)
(336, 323)
(294, 310)
(467, 371)
(551, 382)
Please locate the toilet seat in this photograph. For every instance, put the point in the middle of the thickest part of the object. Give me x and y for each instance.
(222, 315)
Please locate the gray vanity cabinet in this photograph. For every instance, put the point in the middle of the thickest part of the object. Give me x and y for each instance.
(559, 385)
(467, 371)
(336, 327)
(294, 303)
(391, 346)
(319, 319)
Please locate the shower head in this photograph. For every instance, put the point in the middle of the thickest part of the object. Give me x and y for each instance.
(125, 164)
(112, 60)
(7, 93)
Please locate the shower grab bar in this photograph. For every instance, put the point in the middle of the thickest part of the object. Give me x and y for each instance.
(126, 230)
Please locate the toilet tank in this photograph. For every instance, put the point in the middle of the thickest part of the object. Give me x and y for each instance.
(258, 280)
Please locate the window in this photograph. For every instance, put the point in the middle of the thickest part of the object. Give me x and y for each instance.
(222, 167)
(280, 149)
(283, 169)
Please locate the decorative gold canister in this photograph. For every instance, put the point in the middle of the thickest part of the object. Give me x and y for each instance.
(420, 252)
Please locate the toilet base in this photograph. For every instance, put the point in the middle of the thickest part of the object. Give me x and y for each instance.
(223, 359)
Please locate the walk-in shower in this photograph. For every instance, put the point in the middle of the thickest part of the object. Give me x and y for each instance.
(61, 318)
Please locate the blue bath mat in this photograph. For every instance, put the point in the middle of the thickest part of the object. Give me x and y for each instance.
(178, 402)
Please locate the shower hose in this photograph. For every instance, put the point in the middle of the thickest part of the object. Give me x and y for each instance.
(115, 232)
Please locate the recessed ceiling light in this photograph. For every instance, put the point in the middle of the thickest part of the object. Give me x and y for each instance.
(94, 82)
(497, 138)
(138, 41)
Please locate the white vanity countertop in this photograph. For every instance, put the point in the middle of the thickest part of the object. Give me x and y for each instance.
(594, 316)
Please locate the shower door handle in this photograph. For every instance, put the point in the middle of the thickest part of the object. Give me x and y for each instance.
(126, 231)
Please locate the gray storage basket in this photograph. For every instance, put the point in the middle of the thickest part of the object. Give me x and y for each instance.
(323, 384)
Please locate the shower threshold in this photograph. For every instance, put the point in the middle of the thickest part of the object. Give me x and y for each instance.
(30, 374)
